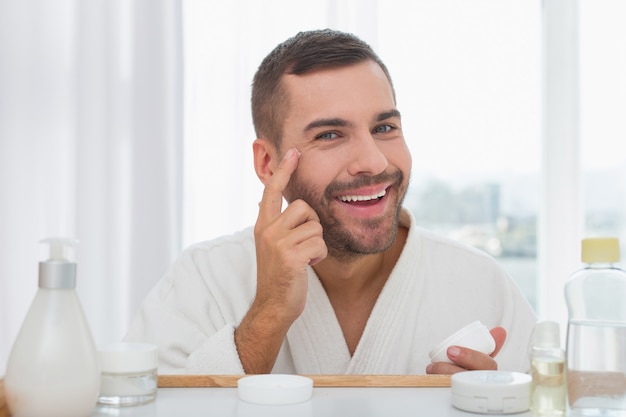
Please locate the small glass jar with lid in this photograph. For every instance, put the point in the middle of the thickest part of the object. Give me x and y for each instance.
(128, 374)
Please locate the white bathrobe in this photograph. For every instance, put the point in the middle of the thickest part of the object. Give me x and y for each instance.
(437, 287)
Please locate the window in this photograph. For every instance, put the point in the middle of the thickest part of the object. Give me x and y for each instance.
(603, 106)
(468, 79)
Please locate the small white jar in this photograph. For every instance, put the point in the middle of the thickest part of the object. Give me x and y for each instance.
(128, 374)
(491, 392)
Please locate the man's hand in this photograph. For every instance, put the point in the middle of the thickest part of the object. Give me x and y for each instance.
(286, 243)
(467, 359)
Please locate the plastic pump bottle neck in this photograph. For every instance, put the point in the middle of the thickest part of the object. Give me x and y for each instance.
(58, 272)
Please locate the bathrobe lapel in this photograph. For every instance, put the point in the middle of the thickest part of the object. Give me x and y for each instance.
(316, 338)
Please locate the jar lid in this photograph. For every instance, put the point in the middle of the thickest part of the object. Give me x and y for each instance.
(491, 392)
(547, 335)
(124, 357)
(275, 389)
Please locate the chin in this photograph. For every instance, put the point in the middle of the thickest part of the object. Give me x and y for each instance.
(369, 239)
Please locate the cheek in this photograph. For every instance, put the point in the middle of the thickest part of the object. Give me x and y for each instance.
(408, 161)
(318, 169)
(310, 178)
(296, 187)
(398, 155)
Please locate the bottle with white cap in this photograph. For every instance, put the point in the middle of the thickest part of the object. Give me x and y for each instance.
(53, 366)
(596, 332)
(547, 361)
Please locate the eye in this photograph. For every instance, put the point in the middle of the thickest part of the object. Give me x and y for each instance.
(383, 129)
(327, 136)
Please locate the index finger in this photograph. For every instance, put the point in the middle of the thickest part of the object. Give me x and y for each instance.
(271, 203)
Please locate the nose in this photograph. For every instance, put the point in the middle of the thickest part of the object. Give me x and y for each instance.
(366, 156)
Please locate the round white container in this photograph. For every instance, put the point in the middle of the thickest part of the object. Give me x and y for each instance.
(491, 392)
(128, 374)
(275, 389)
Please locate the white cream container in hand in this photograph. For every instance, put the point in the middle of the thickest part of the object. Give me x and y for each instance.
(128, 374)
(475, 336)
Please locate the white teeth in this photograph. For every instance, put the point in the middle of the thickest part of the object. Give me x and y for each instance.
(348, 198)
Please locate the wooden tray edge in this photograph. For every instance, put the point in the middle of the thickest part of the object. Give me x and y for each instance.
(230, 381)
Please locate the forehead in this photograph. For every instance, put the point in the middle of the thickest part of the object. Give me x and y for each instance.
(348, 92)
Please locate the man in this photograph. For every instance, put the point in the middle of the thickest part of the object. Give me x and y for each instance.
(341, 280)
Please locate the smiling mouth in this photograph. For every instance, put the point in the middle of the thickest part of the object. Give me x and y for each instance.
(363, 199)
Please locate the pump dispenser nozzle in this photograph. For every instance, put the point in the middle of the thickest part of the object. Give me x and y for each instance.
(58, 272)
(59, 247)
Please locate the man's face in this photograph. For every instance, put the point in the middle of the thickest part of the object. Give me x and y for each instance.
(354, 166)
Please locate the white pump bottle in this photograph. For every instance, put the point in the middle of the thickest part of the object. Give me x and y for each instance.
(53, 367)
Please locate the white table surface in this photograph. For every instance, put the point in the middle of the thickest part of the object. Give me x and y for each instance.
(325, 402)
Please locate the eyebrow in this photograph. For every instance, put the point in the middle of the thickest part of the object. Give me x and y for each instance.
(337, 122)
(388, 115)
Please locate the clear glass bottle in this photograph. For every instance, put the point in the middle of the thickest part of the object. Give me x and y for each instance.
(596, 332)
(53, 366)
(547, 361)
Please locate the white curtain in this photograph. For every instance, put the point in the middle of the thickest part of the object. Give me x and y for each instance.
(90, 147)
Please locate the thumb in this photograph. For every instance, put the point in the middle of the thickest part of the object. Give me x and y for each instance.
(499, 335)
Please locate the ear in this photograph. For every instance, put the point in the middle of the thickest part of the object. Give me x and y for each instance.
(265, 159)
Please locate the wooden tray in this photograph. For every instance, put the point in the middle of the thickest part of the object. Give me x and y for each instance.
(4, 408)
(230, 381)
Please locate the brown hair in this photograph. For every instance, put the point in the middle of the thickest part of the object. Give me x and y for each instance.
(303, 53)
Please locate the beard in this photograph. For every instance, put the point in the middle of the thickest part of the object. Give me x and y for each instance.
(347, 239)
